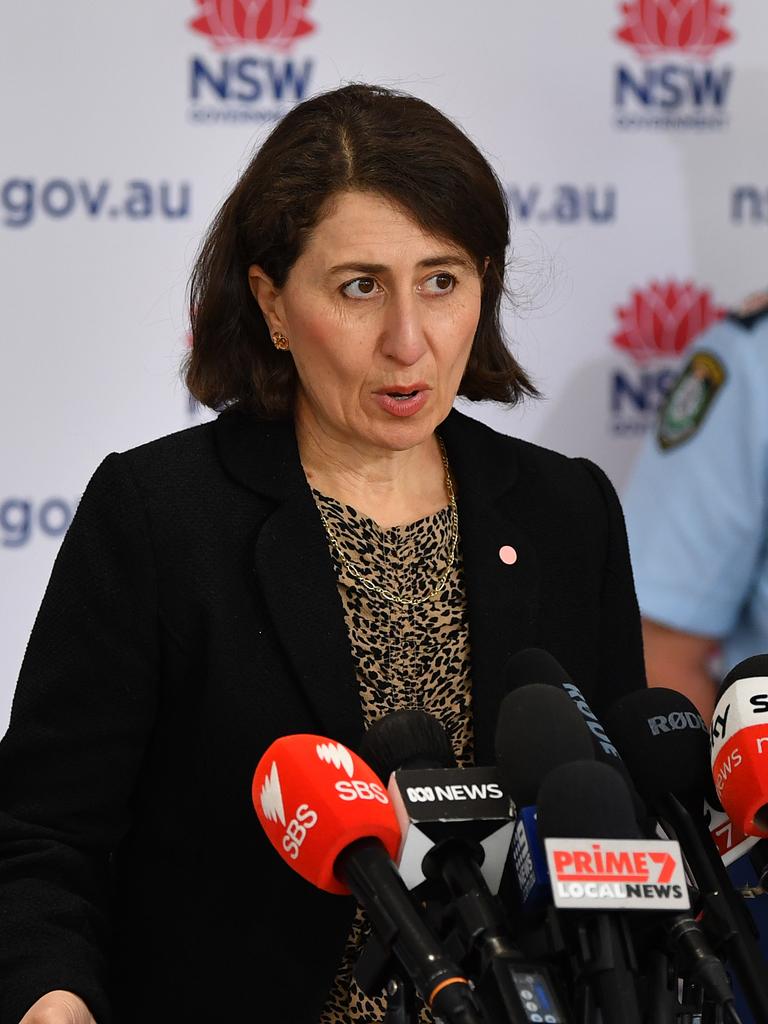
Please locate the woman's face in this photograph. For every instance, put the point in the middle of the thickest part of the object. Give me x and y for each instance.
(375, 308)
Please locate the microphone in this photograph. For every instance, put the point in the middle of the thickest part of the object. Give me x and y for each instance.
(740, 745)
(329, 818)
(508, 988)
(534, 665)
(538, 728)
(433, 799)
(670, 767)
(589, 801)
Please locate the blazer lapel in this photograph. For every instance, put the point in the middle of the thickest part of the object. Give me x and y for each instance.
(295, 571)
(502, 598)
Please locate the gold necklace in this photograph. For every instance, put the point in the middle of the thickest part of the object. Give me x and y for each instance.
(385, 592)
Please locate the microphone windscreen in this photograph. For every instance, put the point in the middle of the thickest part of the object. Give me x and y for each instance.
(739, 746)
(755, 667)
(585, 800)
(533, 665)
(664, 742)
(406, 739)
(314, 797)
(538, 728)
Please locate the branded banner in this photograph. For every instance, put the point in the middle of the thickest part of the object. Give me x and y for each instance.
(628, 135)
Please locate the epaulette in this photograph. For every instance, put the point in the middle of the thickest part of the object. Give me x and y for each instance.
(751, 312)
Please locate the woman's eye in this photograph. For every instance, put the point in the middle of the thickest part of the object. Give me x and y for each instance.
(440, 283)
(360, 288)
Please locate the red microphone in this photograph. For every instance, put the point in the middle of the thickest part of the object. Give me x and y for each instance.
(313, 798)
(739, 738)
(330, 819)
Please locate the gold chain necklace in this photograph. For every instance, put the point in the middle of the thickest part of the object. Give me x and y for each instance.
(385, 592)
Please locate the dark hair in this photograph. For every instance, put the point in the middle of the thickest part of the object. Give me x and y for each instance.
(356, 138)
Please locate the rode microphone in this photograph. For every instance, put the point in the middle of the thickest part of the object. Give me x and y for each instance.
(433, 799)
(328, 816)
(538, 728)
(534, 665)
(739, 736)
(670, 768)
(508, 987)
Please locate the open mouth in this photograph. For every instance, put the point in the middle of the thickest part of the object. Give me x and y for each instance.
(401, 396)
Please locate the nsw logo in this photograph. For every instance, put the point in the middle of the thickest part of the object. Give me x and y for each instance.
(251, 75)
(655, 326)
(674, 82)
(272, 797)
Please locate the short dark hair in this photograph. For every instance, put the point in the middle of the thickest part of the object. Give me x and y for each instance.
(357, 138)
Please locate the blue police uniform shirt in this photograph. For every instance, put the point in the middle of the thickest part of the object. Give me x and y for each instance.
(696, 504)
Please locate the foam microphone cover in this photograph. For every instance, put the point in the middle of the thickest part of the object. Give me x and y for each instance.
(739, 745)
(664, 742)
(314, 797)
(406, 739)
(538, 728)
(585, 800)
(534, 665)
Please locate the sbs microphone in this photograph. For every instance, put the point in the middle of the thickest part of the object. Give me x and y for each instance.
(328, 816)
(739, 735)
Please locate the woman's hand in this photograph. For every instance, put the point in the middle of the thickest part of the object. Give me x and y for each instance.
(58, 1008)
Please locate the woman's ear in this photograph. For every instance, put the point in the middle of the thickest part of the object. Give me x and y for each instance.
(267, 295)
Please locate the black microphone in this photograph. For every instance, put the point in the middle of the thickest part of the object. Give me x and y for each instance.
(671, 769)
(508, 987)
(536, 666)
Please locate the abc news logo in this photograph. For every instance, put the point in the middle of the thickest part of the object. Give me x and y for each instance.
(433, 794)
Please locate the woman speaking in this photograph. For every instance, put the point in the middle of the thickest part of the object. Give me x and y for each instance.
(336, 545)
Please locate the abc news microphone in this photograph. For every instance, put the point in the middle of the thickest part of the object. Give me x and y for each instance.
(329, 818)
(456, 830)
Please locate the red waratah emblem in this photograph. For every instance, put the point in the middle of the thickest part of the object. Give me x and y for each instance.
(234, 22)
(694, 26)
(663, 319)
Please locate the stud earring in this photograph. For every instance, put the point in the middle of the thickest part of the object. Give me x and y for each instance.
(280, 341)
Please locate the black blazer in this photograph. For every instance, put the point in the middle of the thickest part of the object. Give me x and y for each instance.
(191, 618)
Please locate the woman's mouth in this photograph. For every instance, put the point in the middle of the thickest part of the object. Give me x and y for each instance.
(402, 401)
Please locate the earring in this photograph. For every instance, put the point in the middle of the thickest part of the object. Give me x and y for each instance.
(280, 341)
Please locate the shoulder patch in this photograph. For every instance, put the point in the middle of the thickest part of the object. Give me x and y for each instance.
(689, 400)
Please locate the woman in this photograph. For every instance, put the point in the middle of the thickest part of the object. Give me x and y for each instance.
(338, 543)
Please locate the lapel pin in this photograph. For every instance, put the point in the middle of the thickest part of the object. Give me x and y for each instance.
(508, 555)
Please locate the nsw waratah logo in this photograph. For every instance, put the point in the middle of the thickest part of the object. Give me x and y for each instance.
(655, 325)
(272, 796)
(676, 84)
(338, 756)
(274, 23)
(249, 76)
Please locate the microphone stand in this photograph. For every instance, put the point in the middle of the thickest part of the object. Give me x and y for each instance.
(734, 926)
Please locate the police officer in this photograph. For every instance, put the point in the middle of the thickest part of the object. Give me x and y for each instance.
(697, 508)
(697, 518)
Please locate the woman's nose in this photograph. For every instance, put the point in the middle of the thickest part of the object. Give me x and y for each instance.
(403, 335)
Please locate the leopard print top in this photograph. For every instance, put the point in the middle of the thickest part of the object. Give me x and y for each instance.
(405, 657)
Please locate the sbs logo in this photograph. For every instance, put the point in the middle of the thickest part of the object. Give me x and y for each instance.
(272, 797)
(337, 755)
(250, 77)
(655, 327)
(676, 86)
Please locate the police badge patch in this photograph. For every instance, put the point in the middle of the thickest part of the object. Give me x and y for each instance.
(687, 403)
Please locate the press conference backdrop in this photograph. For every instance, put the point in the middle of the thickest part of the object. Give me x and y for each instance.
(630, 137)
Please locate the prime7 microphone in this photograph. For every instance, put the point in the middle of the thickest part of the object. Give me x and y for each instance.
(327, 815)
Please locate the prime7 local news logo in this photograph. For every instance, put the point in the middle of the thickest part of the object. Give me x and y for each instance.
(620, 874)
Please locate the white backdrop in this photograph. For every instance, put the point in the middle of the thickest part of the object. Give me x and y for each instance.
(631, 138)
